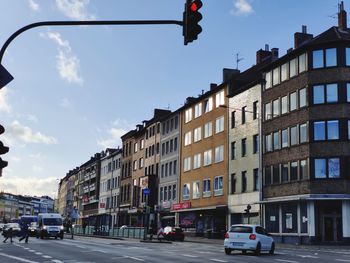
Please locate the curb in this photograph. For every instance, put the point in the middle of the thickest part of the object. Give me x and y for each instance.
(156, 241)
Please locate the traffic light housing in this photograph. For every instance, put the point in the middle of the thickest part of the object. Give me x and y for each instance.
(3, 150)
(191, 17)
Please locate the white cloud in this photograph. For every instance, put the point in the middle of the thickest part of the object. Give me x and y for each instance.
(242, 7)
(34, 5)
(19, 133)
(67, 63)
(4, 106)
(65, 103)
(75, 9)
(37, 156)
(28, 185)
(32, 118)
(15, 159)
(37, 168)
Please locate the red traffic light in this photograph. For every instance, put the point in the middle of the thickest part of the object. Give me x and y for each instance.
(195, 5)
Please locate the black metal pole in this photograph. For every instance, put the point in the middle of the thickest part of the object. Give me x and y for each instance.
(85, 23)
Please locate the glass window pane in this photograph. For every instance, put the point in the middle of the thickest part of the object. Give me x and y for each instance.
(318, 94)
(347, 50)
(268, 175)
(303, 170)
(294, 171)
(267, 111)
(293, 101)
(285, 176)
(293, 67)
(268, 143)
(332, 92)
(284, 105)
(331, 57)
(268, 79)
(303, 133)
(349, 130)
(284, 72)
(317, 59)
(276, 108)
(276, 140)
(320, 168)
(276, 76)
(293, 136)
(302, 63)
(319, 131)
(276, 174)
(302, 98)
(333, 168)
(284, 138)
(333, 130)
(348, 91)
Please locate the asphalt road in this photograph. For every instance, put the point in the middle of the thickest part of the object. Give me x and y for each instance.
(83, 249)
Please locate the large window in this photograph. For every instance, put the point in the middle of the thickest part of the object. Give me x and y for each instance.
(219, 154)
(198, 110)
(195, 190)
(197, 134)
(206, 188)
(324, 58)
(219, 124)
(276, 107)
(188, 136)
(284, 104)
(285, 138)
(220, 99)
(325, 93)
(303, 134)
(207, 158)
(197, 161)
(218, 185)
(208, 129)
(302, 98)
(326, 130)
(186, 192)
(327, 168)
(267, 111)
(187, 164)
(188, 115)
(208, 105)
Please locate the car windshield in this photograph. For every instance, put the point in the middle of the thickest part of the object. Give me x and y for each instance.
(241, 229)
(52, 221)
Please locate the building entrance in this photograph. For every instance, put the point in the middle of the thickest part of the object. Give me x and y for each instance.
(330, 226)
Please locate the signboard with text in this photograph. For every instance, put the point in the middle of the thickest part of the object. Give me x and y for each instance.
(184, 205)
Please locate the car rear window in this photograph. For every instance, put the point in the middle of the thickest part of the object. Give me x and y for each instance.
(241, 229)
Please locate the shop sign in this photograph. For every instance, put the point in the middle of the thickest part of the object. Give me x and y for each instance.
(102, 205)
(166, 204)
(144, 182)
(184, 205)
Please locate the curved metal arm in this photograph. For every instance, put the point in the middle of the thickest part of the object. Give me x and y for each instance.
(88, 23)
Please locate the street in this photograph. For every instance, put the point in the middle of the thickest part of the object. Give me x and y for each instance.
(84, 249)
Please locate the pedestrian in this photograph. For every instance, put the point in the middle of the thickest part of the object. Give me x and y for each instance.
(84, 227)
(24, 231)
(152, 230)
(7, 234)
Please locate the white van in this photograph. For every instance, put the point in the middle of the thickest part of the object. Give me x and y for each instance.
(50, 225)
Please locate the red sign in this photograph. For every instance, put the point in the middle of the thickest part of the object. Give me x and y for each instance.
(102, 205)
(184, 205)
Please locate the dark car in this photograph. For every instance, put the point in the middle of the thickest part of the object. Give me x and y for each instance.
(32, 229)
(173, 233)
(16, 229)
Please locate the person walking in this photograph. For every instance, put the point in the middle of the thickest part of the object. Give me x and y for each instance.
(25, 234)
(8, 234)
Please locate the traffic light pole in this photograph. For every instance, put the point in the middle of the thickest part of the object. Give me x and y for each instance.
(85, 23)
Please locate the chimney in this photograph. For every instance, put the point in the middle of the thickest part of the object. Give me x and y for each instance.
(274, 53)
(301, 38)
(342, 17)
(261, 55)
(213, 86)
(228, 73)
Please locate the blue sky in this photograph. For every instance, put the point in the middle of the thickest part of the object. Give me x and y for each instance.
(78, 89)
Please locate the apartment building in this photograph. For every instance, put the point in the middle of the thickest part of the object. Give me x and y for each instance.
(169, 168)
(204, 162)
(306, 138)
(8, 207)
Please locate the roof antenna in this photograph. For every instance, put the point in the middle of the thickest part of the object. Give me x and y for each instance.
(238, 60)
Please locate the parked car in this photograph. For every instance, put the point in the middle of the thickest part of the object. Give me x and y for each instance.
(16, 229)
(1, 226)
(248, 237)
(32, 229)
(173, 233)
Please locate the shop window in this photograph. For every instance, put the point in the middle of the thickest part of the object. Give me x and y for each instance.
(272, 218)
(303, 218)
(289, 218)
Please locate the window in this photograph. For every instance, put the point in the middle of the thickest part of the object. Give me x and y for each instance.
(195, 190)
(135, 147)
(188, 115)
(302, 98)
(233, 119)
(293, 136)
(233, 183)
(186, 192)
(324, 59)
(219, 124)
(188, 136)
(255, 143)
(206, 188)
(268, 80)
(244, 181)
(347, 53)
(255, 110)
(219, 154)
(302, 63)
(187, 164)
(208, 130)
(196, 161)
(333, 130)
(243, 114)
(331, 93)
(319, 131)
(169, 192)
(326, 130)
(320, 168)
(293, 171)
(276, 174)
(348, 91)
(284, 72)
(276, 140)
(268, 111)
(175, 166)
(285, 138)
(140, 163)
(276, 108)
(268, 143)
(348, 130)
(165, 193)
(207, 158)
(197, 134)
(233, 150)
(317, 59)
(284, 104)
(304, 172)
(293, 101)
(325, 93)
(244, 147)
(268, 175)
(197, 110)
(256, 179)
(142, 144)
(303, 132)
(293, 64)
(174, 191)
(285, 176)
(170, 168)
(176, 121)
(220, 99)
(333, 168)
(208, 105)
(331, 57)
(161, 194)
(276, 76)
(327, 168)
(218, 190)
(175, 144)
(318, 92)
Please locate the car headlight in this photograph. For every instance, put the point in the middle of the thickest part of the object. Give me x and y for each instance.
(61, 227)
(44, 227)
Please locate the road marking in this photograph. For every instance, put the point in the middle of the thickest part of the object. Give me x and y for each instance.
(218, 260)
(80, 246)
(206, 252)
(38, 253)
(306, 256)
(134, 258)
(17, 258)
(342, 260)
(57, 261)
(31, 250)
(289, 261)
(44, 256)
(190, 256)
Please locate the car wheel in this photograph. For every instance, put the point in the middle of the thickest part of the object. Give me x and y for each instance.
(258, 249)
(61, 237)
(227, 251)
(272, 249)
(244, 252)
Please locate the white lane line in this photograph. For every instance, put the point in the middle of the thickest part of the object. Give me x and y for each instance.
(57, 261)
(306, 256)
(288, 261)
(80, 246)
(218, 260)
(44, 256)
(206, 252)
(190, 256)
(134, 258)
(342, 260)
(38, 253)
(17, 258)
(31, 250)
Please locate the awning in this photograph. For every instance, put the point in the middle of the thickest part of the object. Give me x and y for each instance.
(219, 207)
(309, 197)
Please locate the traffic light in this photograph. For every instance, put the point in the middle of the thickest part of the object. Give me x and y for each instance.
(191, 17)
(247, 209)
(3, 150)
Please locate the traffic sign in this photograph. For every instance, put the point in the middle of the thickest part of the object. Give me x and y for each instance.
(146, 191)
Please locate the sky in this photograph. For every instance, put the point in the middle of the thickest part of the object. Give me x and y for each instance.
(77, 89)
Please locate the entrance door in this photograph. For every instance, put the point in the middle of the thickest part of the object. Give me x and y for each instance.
(332, 230)
(328, 229)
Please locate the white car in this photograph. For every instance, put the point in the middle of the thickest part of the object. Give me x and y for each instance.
(248, 237)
